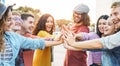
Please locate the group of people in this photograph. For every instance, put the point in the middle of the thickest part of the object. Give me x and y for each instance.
(17, 42)
(108, 44)
(24, 44)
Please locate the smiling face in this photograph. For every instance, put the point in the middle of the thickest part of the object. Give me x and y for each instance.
(28, 24)
(115, 15)
(77, 17)
(101, 24)
(49, 24)
(9, 22)
(109, 27)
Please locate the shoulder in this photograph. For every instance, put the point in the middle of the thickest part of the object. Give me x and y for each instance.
(12, 34)
(91, 35)
(42, 32)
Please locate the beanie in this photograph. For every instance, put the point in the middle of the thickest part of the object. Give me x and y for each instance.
(81, 8)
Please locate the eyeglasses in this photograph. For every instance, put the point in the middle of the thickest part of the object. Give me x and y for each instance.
(76, 14)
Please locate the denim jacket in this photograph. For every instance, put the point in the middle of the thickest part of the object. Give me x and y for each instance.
(111, 57)
(112, 43)
(13, 42)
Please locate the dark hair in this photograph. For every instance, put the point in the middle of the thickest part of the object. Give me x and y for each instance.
(40, 25)
(26, 15)
(101, 17)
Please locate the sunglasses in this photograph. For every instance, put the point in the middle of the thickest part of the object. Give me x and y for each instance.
(17, 19)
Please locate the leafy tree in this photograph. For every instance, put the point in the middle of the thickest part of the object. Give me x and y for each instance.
(26, 9)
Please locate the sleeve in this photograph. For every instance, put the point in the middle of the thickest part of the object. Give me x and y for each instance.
(89, 36)
(45, 34)
(29, 43)
(42, 34)
(111, 41)
(85, 36)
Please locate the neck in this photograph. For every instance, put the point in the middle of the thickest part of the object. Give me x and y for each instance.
(78, 24)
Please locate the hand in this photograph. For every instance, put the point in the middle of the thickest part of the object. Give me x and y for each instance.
(68, 35)
(65, 45)
(78, 37)
(49, 39)
(70, 47)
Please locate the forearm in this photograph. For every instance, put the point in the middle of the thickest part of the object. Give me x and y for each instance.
(73, 48)
(52, 43)
(90, 44)
(70, 47)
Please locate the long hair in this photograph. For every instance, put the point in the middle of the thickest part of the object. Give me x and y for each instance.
(2, 31)
(40, 25)
(85, 19)
(97, 30)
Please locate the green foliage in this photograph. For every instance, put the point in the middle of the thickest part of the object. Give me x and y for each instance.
(25, 9)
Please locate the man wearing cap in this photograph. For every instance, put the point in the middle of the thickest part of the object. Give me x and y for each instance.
(81, 23)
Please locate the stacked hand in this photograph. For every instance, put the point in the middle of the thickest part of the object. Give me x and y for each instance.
(68, 36)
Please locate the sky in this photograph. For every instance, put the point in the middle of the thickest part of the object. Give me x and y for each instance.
(60, 9)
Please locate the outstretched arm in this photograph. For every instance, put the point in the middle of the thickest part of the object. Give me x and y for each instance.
(70, 47)
(90, 44)
(53, 43)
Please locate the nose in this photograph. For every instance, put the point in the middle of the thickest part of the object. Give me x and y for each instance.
(105, 26)
(32, 24)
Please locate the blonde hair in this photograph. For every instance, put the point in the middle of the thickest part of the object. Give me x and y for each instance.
(2, 21)
(115, 4)
(16, 13)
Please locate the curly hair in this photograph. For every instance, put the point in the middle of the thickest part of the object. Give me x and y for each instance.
(2, 31)
(40, 25)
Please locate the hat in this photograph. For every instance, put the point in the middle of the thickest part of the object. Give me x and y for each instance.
(81, 8)
(3, 9)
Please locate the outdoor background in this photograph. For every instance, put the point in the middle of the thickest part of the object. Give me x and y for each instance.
(62, 12)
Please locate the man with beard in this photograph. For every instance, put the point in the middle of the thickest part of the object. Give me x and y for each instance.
(81, 23)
